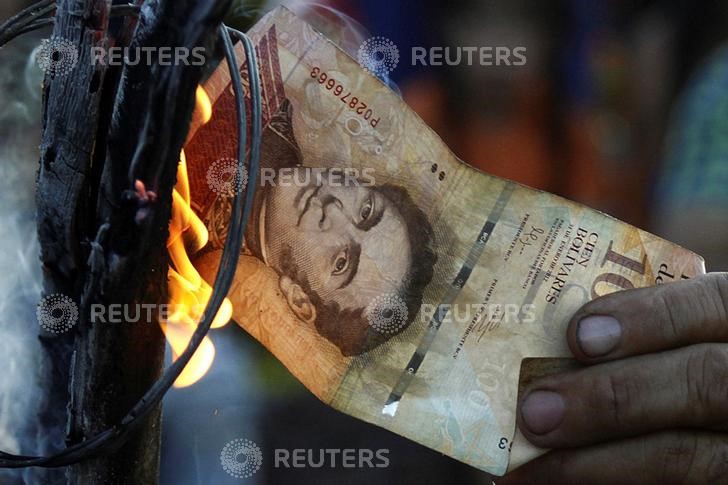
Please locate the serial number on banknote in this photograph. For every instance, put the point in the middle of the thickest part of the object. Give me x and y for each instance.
(353, 102)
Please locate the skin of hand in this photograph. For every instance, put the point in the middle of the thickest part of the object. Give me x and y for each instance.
(650, 404)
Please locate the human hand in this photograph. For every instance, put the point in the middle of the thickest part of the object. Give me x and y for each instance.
(651, 405)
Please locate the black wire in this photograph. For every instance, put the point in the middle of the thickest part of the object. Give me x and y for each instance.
(35, 25)
(28, 20)
(31, 11)
(15, 24)
(255, 97)
(113, 437)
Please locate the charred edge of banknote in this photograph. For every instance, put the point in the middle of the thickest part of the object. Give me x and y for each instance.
(215, 141)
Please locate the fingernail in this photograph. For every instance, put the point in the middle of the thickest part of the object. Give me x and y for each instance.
(542, 411)
(598, 334)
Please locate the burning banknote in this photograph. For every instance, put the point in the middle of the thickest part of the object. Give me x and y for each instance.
(399, 284)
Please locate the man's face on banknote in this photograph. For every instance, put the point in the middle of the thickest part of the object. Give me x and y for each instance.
(350, 243)
(337, 248)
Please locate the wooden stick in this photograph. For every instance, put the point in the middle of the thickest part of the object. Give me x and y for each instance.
(104, 128)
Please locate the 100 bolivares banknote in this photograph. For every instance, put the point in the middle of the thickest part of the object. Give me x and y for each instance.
(398, 284)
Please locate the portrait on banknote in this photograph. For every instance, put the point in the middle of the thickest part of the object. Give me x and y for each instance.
(333, 236)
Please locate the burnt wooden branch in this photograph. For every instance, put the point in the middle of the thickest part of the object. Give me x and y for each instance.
(104, 129)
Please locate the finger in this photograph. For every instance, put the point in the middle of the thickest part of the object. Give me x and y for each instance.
(651, 319)
(683, 388)
(676, 457)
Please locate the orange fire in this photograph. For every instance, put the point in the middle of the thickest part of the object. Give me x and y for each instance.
(188, 292)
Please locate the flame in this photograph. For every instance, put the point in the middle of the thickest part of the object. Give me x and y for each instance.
(204, 106)
(188, 292)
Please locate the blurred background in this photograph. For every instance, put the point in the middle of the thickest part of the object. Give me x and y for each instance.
(622, 105)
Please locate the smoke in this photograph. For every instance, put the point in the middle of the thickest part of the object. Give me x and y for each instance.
(343, 30)
(26, 373)
(346, 32)
(337, 26)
